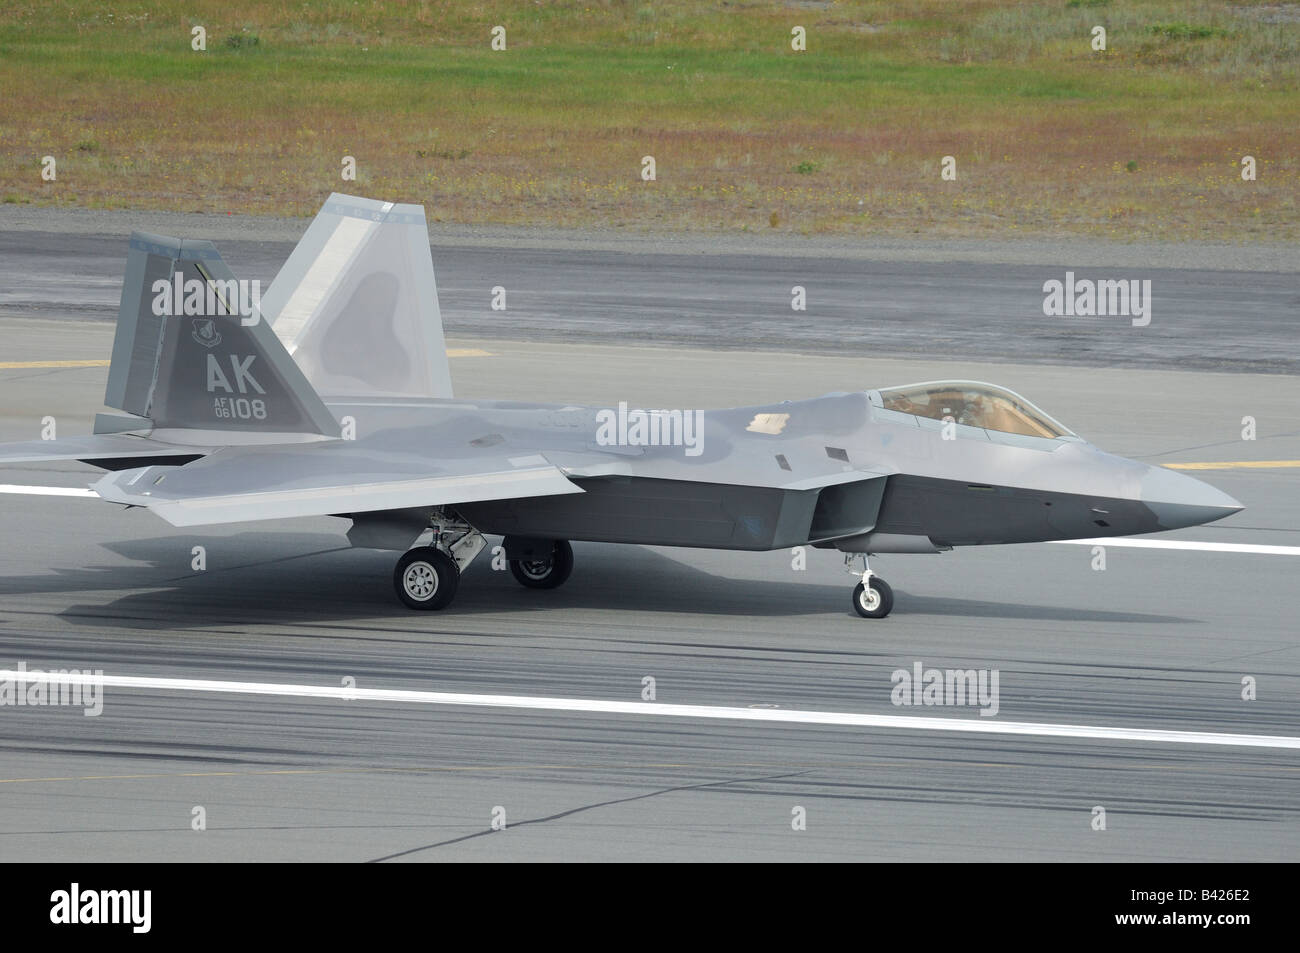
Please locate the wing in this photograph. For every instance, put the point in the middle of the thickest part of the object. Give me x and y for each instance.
(334, 478)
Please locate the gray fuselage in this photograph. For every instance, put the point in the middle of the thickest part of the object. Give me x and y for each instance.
(838, 470)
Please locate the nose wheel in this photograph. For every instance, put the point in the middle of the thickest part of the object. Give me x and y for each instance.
(872, 597)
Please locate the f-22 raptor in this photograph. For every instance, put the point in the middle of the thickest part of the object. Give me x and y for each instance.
(332, 397)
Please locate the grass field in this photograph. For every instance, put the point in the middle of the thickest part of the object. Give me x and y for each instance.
(1144, 140)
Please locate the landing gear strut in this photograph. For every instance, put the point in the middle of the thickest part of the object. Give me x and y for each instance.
(427, 577)
(872, 597)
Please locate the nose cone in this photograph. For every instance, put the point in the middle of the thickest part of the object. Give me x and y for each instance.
(1178, 500)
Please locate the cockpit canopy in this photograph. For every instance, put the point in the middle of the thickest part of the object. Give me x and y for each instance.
(973, 404)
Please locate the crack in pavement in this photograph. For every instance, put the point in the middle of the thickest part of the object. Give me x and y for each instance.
(585, 807)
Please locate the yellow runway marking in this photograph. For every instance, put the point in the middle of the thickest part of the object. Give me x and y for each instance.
(432, 769)
(15, 365)
(501, 768)
(137, 777)
(29, 365)
(1234, 465)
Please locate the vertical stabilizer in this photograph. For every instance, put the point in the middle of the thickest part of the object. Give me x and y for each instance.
(190, 354)
(357, 306)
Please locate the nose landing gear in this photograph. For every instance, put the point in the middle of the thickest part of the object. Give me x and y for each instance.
(872, 597)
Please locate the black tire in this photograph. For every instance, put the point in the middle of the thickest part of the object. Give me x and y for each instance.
(536, 574)
(426, 578)
(877, 606)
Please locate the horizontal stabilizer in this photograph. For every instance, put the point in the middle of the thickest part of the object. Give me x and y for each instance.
(93, 448)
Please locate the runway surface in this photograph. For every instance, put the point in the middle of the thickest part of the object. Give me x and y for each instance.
(1201, 318)
(1160, 639)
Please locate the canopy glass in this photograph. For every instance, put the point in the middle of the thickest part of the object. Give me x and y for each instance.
(975, 405)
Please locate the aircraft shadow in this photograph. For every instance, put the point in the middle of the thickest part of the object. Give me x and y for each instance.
(301, 578)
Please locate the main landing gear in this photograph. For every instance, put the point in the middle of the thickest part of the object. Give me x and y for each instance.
(428, 576)
(539, 564)
(872, 597)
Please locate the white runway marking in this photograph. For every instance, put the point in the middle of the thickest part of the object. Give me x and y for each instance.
(47, 490)
(1175, 544)
(1189, 544)
(656, 710)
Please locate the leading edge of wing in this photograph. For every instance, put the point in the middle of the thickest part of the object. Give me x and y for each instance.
(163, 490)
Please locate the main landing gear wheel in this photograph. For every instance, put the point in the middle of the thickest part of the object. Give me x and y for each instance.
(426, 578)
(874, 601)
(544, 573)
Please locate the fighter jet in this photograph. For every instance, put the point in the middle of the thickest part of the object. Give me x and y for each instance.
(332, 397)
